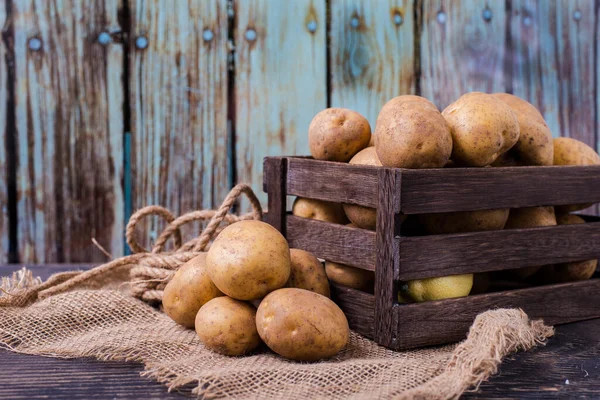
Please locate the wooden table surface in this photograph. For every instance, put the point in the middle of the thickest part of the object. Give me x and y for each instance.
(567, 367)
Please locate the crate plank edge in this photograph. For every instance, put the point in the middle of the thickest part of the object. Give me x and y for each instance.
(394, 257)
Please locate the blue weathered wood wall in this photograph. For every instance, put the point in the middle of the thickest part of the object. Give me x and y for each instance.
(109, 105)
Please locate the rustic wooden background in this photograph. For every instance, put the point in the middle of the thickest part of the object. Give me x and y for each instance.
(109, 105)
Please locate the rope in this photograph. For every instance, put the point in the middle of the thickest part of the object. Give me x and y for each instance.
(150, 271)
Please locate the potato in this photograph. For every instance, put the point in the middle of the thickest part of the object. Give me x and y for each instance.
(302, 325)
(319, 210)
(529, 217)
(349, 276)
(363, 217)
(569, 151)
(411, 133)
(567, 272)
(464, 221)
(535, 140)
(307, 272)
(189, 289)
(228, 326)
(482, 126)
(337, 134)
(248, 260)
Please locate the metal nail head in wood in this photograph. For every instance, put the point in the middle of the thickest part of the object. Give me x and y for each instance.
(577, 15)
(208, 35)
(141, 42)
(398, 20)
(312, 26)
(104, 38)
(487, 15)
(441, 17)
(35, 44)
(251, 35)
(355, 22)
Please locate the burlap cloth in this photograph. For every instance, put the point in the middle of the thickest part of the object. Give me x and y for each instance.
(102, 314)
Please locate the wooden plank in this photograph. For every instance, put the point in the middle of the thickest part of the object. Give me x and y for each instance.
(331, 181)
(358, 306)
(69, 119)
(6, 135)
(178, 97)
(275, 171)
(333, 242)
(372, 55)
(460, 50)
(466, 189)
(446, 321)
(442, 255)
(276, 96)
(387, 257)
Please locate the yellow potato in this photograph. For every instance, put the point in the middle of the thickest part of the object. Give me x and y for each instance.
(535, 141)
(482, 126)
(411, 133)
(445, 287)
(337, 134)
(363, 217)
(307, 272)
(248, 260)
(189, 289)
(349, 276)
(228, 326)
(302, 325)
(571, 271)
(319, 210)
(569, 151)
(464, 221)
(529, 217)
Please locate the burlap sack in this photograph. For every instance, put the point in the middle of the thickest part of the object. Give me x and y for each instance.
(97, 314)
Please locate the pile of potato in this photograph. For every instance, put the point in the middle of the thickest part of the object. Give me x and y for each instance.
(477, 130)
(250, 264)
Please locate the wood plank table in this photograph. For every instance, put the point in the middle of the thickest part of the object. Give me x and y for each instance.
(567, 367)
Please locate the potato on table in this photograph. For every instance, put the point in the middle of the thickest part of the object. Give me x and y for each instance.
(319, 210)
(302, 325)
(307, 273)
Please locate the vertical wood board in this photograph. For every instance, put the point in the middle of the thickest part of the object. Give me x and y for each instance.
(460, 51)
(280, 81)
(372, 55)
(4, 228)
(178, 100)
(69, 116)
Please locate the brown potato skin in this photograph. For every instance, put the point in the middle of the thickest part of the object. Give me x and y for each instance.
(535, 140)
(411, 133)
(363, 217)
(302, 325)
(567, 272)
(248, 260)
(529, 217)
(189, 289)
(337, 134)
(319, 210)
(307, 273)
(349, 276)
(482, 126)
(228, 326)
(568, 151)
(464, 221)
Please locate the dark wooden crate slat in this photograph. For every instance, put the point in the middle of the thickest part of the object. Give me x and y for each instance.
(441, 255)
(446, 321)
(358, 306)
(275, 171)
(333, 242)
(332, 181)
(466, 189)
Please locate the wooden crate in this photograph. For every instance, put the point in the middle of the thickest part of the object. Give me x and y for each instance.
(396, 258)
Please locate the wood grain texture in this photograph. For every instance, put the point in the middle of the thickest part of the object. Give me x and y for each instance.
(449, 320)
(332, 242)
(551, 61)
(178, 100)
(442, 255)
(275, 171)
(69, 117)
(4, 134)
(371, 54)
(465, 189)
(461, 51)
(358, 306)
(332, 181)
(280, 81)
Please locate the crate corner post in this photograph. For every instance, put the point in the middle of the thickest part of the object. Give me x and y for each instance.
(275, 184)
